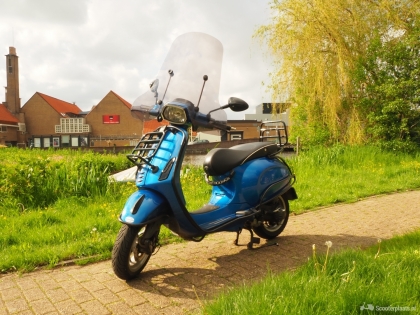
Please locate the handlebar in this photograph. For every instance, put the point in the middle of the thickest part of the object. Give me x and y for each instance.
(220, 126)
(207, 122)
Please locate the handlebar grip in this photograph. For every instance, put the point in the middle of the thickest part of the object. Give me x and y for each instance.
(220, 126)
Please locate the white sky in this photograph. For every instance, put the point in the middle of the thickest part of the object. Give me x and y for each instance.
(79, 50)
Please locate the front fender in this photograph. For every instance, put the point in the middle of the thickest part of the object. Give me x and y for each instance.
(144, 206)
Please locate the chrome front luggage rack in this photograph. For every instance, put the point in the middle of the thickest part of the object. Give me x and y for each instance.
(146, 149)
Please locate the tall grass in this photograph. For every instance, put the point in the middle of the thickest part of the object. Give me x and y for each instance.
(38, 178)
(383, 278)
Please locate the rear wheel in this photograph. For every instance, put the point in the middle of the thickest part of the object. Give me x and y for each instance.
(273, 220)
(129, 257)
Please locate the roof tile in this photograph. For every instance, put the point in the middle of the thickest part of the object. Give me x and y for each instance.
(152, 125)
(6, 117)
(122, 100)
(60, 106)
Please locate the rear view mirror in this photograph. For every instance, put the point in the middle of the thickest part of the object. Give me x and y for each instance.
(154, 87)
(236, 104)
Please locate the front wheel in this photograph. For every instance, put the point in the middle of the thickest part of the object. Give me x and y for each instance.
(273, 220)
(129, 257)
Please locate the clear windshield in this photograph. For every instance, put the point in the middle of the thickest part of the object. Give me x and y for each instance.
(190, 58)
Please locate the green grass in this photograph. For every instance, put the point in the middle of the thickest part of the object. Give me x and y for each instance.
(59, 205)
(347, 174)
(71, 229)
(389, 276)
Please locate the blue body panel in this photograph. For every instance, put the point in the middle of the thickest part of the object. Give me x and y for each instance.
(171, 151)
(143, 206)
(263, 177)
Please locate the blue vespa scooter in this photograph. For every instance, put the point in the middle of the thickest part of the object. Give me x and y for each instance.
(251, 185)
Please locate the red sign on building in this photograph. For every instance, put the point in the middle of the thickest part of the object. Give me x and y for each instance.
(111, 119)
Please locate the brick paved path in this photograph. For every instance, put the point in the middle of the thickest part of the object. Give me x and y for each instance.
(180, 273)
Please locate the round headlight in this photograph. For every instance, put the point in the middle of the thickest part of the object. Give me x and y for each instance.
(174, 114)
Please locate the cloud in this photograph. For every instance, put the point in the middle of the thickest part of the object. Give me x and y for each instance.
(80, 50)
(44, 11)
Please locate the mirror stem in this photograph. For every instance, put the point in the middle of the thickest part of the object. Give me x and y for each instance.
(205, 78)
(171, 73)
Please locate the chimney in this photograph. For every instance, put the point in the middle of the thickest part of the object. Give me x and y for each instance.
(12, 91)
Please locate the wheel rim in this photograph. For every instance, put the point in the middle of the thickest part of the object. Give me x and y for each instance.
(273, 226)
(137, 259)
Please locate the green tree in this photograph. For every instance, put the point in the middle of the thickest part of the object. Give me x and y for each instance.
(317, 45)
(388, 77)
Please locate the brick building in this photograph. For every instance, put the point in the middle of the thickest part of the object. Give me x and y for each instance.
(51, 122)
(112, 124)
(244, 129)
(45, 121)
(9, 126)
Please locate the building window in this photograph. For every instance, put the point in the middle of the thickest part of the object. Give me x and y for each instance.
(37, 142)
(84, 141)
(47, 142)
(72, 125)
(238, 135)
(3, 129)
(56, 142)
(111, 119)
(65, 140)
(75, 141)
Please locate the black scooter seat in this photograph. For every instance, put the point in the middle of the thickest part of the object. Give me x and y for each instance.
(221, 161)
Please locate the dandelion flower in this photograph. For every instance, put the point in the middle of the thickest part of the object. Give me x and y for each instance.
(328, 243)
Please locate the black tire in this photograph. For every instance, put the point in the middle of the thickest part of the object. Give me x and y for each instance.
(127, 261)
(275, 215)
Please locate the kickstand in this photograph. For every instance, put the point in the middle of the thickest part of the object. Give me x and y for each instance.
(236, 241)
(254, 240)
(250, 245)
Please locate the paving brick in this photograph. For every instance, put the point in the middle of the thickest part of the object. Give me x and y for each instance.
(120, 308)
(81, 296)
(42, 306)
(68, 307)
(7, 282)
(71, 285)
(18, 305)
(132, 297)
(94, 308)
(106, 296)
(146, 309)
(34, 294)
(27, 283)
(57, 295)
(115, 285)
(48, 284)
(11, 293)
(93, 285)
